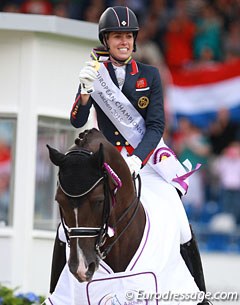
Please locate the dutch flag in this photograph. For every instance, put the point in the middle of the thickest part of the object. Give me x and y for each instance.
(199, 93)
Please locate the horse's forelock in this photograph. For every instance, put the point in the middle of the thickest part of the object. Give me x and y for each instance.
(90, 139)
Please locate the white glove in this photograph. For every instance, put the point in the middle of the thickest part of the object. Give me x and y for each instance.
(134, 163)
(87, 76)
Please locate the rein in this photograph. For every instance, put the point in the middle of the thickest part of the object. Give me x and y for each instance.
(101, 232)
(136, 201)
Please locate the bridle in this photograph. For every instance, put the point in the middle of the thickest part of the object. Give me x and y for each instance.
(101, 233)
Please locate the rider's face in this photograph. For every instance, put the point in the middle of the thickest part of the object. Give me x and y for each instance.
(120, 44)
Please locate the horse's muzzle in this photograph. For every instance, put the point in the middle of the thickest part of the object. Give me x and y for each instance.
(82, 269)
(85, 275)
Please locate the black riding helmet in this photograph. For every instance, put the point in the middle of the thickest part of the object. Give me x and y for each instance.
(118, 19)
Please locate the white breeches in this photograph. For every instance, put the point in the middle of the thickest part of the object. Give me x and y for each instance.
(153, 182)
(165, 191)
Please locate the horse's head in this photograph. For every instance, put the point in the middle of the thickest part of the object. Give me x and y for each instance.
(94, 187)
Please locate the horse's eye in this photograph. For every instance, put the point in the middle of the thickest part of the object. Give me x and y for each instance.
(96, 200)
(99, 202)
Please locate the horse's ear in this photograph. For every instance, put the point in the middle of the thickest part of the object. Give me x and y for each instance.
(99, 156)
(55, 156)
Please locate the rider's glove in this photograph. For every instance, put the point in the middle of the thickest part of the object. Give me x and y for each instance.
(134, 163)
(87, 76)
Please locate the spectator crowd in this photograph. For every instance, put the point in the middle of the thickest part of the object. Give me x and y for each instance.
(183, 30)
(180, 34)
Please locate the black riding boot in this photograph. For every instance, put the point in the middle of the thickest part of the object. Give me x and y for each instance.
(58, 262)
(191, 256)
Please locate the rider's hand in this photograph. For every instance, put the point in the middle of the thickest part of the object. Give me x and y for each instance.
(135, 164)
(87, 76)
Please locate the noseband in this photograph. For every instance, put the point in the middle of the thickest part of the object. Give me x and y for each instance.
(83, 232)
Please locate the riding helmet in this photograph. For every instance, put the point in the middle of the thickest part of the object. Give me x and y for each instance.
(117, 19)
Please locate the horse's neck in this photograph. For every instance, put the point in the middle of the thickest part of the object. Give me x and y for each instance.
(125, 248)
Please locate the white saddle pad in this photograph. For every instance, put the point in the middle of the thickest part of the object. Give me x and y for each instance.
(157, 267)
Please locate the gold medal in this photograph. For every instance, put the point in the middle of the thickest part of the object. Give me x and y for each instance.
(96, 65)
(143, 102)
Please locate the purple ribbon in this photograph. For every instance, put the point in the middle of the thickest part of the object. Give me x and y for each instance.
(117, 181)
(180, 179)
(163, 152)
(115, 177)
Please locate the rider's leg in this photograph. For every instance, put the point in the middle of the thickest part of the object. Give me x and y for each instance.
(191, 256)
(189, 249)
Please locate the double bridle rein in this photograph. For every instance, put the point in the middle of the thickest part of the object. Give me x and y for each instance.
(103, 232)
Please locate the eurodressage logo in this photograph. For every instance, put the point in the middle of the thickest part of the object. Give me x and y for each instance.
(113, 299)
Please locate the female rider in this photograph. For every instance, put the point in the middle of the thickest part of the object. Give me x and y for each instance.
(140, 84)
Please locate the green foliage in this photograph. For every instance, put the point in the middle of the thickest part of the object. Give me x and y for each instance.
(9, 296)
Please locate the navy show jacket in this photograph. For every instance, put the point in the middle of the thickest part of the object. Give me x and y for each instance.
(143, 89)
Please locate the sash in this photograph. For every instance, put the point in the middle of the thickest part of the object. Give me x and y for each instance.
(131, 125)
(118, 108)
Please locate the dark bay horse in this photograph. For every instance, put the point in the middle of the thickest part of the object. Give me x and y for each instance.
(99, 203)
(117, 245)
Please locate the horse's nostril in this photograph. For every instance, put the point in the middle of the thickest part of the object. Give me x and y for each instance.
(91, 269)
